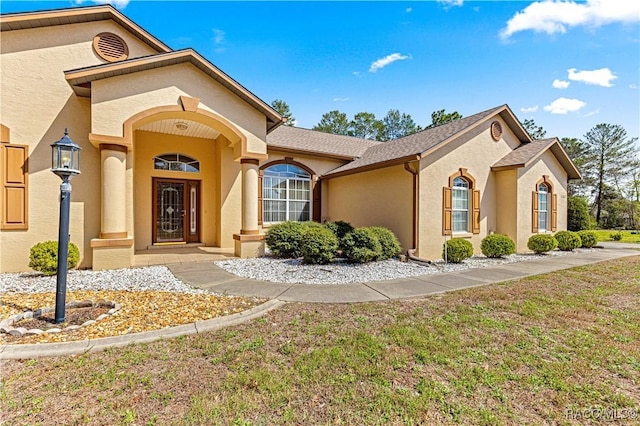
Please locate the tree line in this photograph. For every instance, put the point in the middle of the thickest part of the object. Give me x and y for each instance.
(608, 196)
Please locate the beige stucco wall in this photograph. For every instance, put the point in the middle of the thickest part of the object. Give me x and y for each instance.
(375, 198)
(476, 151)
(506, 182)
(37, 108)
(547, 164)
(117, 99)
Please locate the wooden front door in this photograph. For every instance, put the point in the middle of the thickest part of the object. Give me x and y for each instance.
(176, 217)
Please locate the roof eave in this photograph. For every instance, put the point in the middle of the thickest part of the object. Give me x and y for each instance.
(375, 166)
(310, 152)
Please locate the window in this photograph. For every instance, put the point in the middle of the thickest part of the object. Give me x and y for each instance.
(460, 204)
(286, 193)
(176, 162)
(543, 197)
(544, 207)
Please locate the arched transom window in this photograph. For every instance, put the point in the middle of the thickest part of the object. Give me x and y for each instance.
(286, 194)
(176, 162)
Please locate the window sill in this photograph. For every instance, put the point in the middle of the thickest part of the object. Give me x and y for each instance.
(462, 235)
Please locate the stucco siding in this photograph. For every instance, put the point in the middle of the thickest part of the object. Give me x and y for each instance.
(381, 197)
(507, 203)
(475, 151)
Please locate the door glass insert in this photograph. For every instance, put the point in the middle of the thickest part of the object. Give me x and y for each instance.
(170, 211)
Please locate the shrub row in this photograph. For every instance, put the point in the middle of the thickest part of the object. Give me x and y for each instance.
(563, 240)
(319, 244)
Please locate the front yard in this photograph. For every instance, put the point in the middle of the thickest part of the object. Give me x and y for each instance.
(553, 349)
(627, 236)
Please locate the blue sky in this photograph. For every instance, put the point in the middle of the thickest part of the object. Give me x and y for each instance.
(568, 65)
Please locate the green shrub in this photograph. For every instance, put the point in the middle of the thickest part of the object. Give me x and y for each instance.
(318, 245)
(577, 214)
(457, 250)
(542, 243)
(588, 238)
(497, 245)
(568, 240)
(616, 236)
(43, 257)
(284, 239)
(388, 241)
(340, 228)
(361, 245)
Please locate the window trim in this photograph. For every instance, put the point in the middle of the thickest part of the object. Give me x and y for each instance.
(552, 207)
(314, 189)
(474, 205)
(178, 160)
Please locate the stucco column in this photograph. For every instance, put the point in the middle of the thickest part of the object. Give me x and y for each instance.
(249, 196)
(113, 209)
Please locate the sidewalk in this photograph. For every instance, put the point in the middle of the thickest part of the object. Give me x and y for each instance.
(207, 276)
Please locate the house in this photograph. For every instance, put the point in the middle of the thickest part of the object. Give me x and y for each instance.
(176, 152)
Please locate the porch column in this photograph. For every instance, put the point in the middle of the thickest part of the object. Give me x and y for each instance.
(249, 196)
(249, 243)
(113, 249)
(113, 211)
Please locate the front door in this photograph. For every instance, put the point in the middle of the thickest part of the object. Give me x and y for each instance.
(176, 211)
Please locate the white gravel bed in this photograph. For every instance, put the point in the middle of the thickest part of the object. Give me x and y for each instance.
(292, 271)
(156, 278)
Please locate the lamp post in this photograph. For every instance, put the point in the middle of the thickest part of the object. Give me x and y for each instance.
(65, 162)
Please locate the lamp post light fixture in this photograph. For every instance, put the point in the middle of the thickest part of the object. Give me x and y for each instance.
(65, 162)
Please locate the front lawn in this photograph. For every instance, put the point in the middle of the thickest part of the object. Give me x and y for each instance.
(627, 236)
(546, 349)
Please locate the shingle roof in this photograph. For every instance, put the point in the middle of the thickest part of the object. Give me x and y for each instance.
(415, 144)
(298, 139)
(524, 153)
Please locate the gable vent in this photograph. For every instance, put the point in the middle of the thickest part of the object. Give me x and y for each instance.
(110, 47)
(496, 130)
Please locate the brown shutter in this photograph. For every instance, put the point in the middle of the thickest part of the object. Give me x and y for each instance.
(554, 212)
(446, 211)
(15, 176)
(317, 200)
(260, 190)
(534, 212)
(475, 218)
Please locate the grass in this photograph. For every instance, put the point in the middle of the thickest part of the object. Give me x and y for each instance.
(627, 236)
(521, 353)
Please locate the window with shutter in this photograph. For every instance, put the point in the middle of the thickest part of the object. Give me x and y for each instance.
(15, 181)
(460, 205)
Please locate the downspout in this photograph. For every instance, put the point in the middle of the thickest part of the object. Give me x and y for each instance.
(415, 173)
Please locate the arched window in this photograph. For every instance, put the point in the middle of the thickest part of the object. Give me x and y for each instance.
(544, 203)
(460, 205)
(176, 162)
(543, 207)
(286, 194)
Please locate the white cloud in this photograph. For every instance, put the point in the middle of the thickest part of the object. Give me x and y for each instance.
(529, 109)
(218, 36)
(409, 10)
(340, 99)
(633, 86)
(560, 84)
(451, 3)
(356, 73)
(389, 59)
(564, 105)
(118, 4)
(601, 77)
(594, 112)
(555, 16)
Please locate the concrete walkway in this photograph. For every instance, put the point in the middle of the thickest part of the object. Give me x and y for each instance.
(209, 277)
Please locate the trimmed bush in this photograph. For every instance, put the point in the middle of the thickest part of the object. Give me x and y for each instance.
(284, 239)
(457, 250)
(542, 243)
(497, 245)
(588, 238)
(568, 240)
(43, 257)
(340, 228)
(361, 245)
(616, 236)
(388, 241)
(318, 245)
(577, 214)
